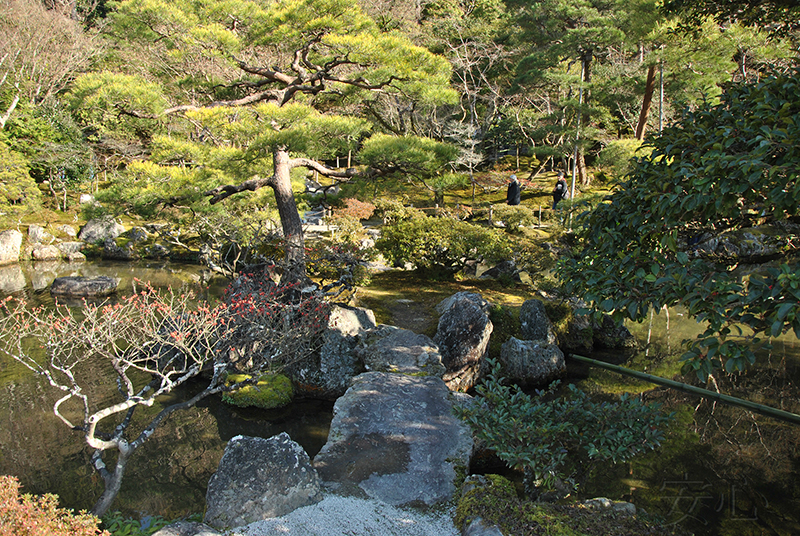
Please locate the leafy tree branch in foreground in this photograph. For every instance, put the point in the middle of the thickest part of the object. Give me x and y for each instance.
(727, 173)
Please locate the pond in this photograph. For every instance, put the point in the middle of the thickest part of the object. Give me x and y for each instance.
(169, 474)
(721, 471)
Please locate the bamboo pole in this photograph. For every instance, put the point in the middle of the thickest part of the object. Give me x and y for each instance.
(704, 393)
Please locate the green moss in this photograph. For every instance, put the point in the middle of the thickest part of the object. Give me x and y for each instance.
(271, 391)
(505, 324)
(497, 503)
(560, 314)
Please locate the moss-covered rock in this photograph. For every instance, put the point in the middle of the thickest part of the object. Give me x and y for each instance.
(270, 391)
(494, 500)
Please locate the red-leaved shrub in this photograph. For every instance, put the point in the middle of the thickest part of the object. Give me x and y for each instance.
(29, 515)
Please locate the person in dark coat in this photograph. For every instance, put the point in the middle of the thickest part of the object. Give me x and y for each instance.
(560, 190)
(513, 195)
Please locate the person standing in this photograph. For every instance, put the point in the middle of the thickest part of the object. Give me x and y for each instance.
(560, 189)
(514, 192)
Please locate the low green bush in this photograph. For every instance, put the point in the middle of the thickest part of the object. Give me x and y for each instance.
(515, 217)
(556, 439)
(118, 525)
(394, 210)
(437, 245)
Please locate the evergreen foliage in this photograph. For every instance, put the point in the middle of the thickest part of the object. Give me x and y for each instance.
(441, 245)
(724, 168)
(558, 437)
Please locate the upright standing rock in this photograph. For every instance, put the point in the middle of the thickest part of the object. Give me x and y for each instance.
(534, 323)
(463, 341)
(260, 478)
(10, 243)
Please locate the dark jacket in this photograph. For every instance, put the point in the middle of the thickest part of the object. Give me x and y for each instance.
(560, 191)
(513, 196)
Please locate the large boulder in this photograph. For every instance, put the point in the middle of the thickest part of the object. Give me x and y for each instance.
(612, 335)
(120, 252)
(66, 248)
(445, 305)
(584, 333)
(187, 528)
(260, 478)
(463, 340)
(100, 230)
(579, 335)
(45, 252)
(328, 374)
(531, 363)
(68, 230)
(754, 244)
(534, 323)
(37, 235)
(392, 349)
(76, 286)
(10, 244)
(394, 438)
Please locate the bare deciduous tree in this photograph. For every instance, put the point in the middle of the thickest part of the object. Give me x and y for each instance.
(40, 52)
(154, 343)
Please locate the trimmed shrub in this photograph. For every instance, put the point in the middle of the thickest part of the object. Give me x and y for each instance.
(29, 515)
(441, 245)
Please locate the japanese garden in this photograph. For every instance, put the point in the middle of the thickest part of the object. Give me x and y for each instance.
(489, 267)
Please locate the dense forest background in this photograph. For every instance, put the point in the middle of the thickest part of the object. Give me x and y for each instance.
(153, 104)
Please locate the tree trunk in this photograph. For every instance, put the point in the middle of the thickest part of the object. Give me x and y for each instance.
(292, 225)
(580, 163)
(649, 89)
(112, 480)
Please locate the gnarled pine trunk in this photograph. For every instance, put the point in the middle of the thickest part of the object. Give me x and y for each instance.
(292, 225)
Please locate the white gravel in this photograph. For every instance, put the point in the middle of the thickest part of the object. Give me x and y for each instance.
(347, 516)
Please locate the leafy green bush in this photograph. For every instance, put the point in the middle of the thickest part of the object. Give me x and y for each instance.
(615, 159)
(19, 193)
(118, 525)
(348, 228)
(557, 439)
(394, 210)
(514, 217)
(29, 515)
(338, 263)
(441, 245)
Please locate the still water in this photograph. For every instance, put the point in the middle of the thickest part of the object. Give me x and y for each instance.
(722, 471)
(169, 474)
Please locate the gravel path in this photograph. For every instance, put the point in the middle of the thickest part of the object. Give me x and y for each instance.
(346, 516)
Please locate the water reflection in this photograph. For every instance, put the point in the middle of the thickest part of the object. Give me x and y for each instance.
(723, 470)
(169, 474)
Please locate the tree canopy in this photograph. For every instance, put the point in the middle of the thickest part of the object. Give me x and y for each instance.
(723, 171)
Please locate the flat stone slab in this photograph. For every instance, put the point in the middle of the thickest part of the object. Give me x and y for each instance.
(76, 286)
(395, 439)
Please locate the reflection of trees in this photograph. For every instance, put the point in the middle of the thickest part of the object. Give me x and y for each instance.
(35, 447)
(171, 476)
(751, 460)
